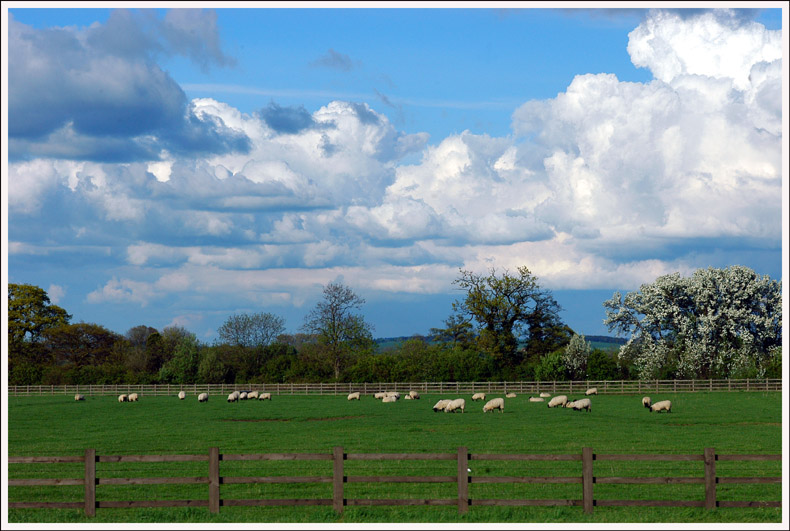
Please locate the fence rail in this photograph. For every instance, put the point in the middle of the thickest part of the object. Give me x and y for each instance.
(340, 388)
(463, 479)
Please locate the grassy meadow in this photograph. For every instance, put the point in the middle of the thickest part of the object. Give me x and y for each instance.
(732, 423)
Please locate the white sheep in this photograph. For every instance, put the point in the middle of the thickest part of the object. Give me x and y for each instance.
(79, 397)
(591, 391)
(243, 396)
(494, 403)
(414, 395)
(407, 397)
(123, 398)
(133, 397)
(265, 396)
(252, 395)
(664, 405)
(232, 397)
(479, 396)
(440, 405)
(181, 395)
(510, 395)
(380, 395)
(559, 400)
(545, 394)
(458, 403)
(578, 405)
(646, 401)
(353, 396)
(389, 399)
(236, 394)
(537, 399)
(203, 397)
(396, 394)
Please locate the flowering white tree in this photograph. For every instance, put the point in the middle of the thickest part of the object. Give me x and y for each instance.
(708, 325)
(575, 357)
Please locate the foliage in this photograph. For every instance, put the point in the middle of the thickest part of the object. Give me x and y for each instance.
(575, 357)
(183, 367)
(251, 330)
(551, 367)
(30, 313)
(714, 324)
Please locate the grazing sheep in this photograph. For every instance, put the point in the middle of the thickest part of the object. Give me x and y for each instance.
(510, 395)
(252, 395)
(646, 401)
(123, 398)
(389, 399)
(440, 405)
(243, 396)
(494, 403)
(396, 394)
(664, 405)
(203, 397)
(353, 396)
(591, 391)
(458, 403)
(536, 399)
(380, 395)
(414, 395)
(232, 397)
(236, 394)
(265, 396)
(79, 397)
(479, 396)
(559, 400)
(545, 394)
(584, 403)
(181, 395)
(133, 397)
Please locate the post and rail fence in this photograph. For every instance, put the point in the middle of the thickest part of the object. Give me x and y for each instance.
(338, 501)
(341, 388)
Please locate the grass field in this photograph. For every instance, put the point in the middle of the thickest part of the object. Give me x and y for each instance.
(56, 425)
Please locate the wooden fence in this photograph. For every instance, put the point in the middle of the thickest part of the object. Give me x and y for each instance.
(341, 388)
(709, 480)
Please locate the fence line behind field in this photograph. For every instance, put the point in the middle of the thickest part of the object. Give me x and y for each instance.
(465, 498)
(369, 388)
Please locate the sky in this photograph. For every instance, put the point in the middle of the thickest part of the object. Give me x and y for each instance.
(173, 167)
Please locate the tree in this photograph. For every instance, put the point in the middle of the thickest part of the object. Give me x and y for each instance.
(506, 308)
(81, 344)
(251, 330)
(341, 332)
(30, 313)
(712, 324)
(182, 367)
(575, 357)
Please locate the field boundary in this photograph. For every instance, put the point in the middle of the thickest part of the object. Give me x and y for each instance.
(463, 479)
(366, 388)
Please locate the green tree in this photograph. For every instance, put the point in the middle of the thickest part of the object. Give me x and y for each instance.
(80, 345)
(182, 368)
(340, 332)
(550, 367)
(30, 313)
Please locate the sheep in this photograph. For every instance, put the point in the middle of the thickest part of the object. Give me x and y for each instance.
(440, 405)
(591, 391)
(236, 394)
(545, 395)
(380, 395)
(265, 396)
(407, 397)
(664, 405)
(353, 396)
(559, 400)
(510, 395)
(537, 399)
(252, 395)
(646, 401)
(479, 396)
(243, 396)
(458, 403)
(494, 403)
(389, 399)
(203, 397)
(133, 397)
(123, 398)
(414, 395)
(584, 403)
(232, 397)
(79, 397)
(181, 395)
(396, 394)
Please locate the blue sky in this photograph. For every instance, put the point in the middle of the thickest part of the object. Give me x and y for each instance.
(174, 166)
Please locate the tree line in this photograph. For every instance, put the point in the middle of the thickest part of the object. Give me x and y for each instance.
(719, 323)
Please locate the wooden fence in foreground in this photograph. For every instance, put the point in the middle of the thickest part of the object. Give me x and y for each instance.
(341, 388)
(338, 479)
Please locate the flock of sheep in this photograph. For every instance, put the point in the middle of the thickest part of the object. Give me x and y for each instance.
(446, 405)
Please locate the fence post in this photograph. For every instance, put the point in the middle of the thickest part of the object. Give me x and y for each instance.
(710, 478)
(463, 480)
(337, 479)
(213, 479)
(90, 482)
(587, 479)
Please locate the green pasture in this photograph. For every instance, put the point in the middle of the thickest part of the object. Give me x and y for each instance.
(732, 423)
